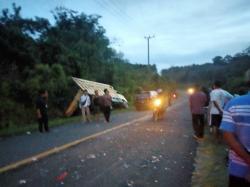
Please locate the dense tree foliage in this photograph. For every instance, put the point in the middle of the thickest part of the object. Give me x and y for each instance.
(229, 69)
(36, 54)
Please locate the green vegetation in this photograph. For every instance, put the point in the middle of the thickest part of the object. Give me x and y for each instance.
(230, 70)
(210, 164)
(37, 54)
(17, 129)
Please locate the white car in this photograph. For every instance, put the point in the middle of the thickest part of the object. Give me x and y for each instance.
(119, 101)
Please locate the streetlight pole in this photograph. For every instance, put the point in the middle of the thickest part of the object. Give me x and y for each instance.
(148, 38)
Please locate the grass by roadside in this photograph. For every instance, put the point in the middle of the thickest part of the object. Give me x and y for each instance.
(210, 164)
(16, 130)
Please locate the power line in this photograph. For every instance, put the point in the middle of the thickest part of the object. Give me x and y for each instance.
(115, 9)
(124, 13)
(148, 38)
(104, 6)
(112, 9)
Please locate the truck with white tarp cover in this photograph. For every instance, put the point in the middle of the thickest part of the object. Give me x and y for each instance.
(91, 86)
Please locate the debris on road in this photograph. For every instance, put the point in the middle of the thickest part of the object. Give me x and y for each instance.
(91, 156)
(148, 155)
(22, 181)
(126, 165)
(62, 176)
(120, 158)
(28, 133)
(130, 183)
(155, 159)
(143, 166)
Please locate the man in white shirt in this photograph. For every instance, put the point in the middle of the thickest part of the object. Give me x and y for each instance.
(84, 105)
(218, 99)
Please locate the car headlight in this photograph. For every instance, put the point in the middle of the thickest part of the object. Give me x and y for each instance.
(190, 91)
(157, 102)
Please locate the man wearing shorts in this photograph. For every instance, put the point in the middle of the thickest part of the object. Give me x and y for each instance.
(218, 99)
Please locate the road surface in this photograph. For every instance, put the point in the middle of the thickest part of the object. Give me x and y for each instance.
(142, 153)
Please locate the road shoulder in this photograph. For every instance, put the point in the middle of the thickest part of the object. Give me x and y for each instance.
(210, 164)
(36, 154)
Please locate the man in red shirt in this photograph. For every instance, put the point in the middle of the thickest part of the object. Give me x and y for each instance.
(106, 105)
(197, 102)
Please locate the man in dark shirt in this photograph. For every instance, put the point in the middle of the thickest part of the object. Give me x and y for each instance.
(197, 102)
(42, 110)
(106, 104)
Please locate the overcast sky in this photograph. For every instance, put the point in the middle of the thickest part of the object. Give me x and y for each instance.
(186, 31)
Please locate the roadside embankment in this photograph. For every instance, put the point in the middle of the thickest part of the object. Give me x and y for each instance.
(210, 164)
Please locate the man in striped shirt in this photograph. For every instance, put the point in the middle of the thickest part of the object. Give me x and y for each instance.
(236, 132)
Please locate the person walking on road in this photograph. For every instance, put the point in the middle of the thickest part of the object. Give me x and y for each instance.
(42, 110)
(236, 132)
(197, 102)
(84, 105)
(218, 99)
(106, 105)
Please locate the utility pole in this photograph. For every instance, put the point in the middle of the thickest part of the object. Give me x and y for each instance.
(148, 38)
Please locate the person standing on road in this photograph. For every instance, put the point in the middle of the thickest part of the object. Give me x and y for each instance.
(236, 132)
(42, 110)
(84, 105)
(106, 105)
(96, 105)
(218, 99)
(197, 102)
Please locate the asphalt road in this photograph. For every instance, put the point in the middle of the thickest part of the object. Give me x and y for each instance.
(144, 153)
(29, 144)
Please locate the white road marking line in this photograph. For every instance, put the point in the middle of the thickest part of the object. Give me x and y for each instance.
(54, 150)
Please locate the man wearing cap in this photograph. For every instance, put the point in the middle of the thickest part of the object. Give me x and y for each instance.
(236, 132)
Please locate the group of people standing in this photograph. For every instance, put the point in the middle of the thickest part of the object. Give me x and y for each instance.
(96, 104)
(208, 106)
(230, 117)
